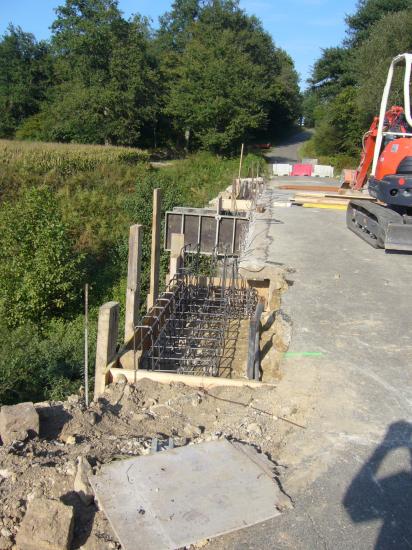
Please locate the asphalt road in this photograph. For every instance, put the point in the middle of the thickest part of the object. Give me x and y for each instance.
(288, 151)
(349, 473)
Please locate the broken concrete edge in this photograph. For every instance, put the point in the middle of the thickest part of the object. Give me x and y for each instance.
(194, 381)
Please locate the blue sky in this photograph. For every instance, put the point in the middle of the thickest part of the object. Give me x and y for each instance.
(301, 27)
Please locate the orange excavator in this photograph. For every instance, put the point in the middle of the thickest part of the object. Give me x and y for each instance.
(387, 153)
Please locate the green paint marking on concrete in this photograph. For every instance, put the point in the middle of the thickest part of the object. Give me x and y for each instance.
(303, 354)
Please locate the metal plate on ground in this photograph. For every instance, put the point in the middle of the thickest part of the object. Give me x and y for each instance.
(177, 497)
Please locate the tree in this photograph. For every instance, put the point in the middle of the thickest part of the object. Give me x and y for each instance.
(339, 130)
(41, 274)
(331, 72)
(347, 81)
(173, 32)
(25, 73)
(368, 13)
(230, 81)
(107, 85)
(389, 37)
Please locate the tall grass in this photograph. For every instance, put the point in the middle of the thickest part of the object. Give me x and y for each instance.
(66, 159)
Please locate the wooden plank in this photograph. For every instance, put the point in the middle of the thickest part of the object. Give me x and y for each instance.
(327, 206)
(339, 196)
(320, 200)
(190, 380)
(310, 187)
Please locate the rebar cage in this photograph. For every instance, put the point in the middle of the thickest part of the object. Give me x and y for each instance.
(194, 326)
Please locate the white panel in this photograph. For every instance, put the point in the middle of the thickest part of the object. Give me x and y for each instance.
(282, 169)
(323, 171)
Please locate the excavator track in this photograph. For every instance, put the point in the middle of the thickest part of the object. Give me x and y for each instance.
(379, 226)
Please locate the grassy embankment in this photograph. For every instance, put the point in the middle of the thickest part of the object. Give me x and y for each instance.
(95, 193)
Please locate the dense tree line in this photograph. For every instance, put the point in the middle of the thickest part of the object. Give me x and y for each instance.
(347, 81)
(208, 77)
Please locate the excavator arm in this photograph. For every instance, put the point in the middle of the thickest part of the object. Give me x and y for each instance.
(392, 120)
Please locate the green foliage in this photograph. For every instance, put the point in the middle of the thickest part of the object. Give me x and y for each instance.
(389, 37)
(41, 158)
(40, 273)
(369, 12)
(102, 79)
(331, 72)
(347, 82)
(226, 79)
(25, 72)
(339, 130)
(35, 366)
(106, 87)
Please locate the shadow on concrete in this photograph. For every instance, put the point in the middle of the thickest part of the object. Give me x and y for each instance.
(372, 496)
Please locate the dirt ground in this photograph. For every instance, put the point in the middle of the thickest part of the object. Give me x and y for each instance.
(123, 423)
(128, 420)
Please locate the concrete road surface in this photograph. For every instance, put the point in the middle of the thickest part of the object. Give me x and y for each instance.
(349, 473)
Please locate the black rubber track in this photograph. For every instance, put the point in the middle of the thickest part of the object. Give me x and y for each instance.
(370, 221)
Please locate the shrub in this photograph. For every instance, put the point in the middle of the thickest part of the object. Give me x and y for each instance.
(48, 365)
(40, 273)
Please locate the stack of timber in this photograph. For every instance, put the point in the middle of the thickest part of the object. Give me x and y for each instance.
(333, 200)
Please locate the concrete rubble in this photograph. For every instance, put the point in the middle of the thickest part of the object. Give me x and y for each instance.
(76, 441)
(17, 422)
(47, 525)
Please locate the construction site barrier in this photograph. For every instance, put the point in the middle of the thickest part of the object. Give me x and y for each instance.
(302, 170)
(323, 171)
(282, 169)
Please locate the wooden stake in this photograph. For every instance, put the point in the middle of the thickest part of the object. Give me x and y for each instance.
(155, 258)
(189, 380)
(241, 161)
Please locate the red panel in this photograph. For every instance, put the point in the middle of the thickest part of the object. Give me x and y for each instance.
(302, 170)
(392, 155)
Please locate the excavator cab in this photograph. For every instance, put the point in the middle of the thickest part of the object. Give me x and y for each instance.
(387, 147)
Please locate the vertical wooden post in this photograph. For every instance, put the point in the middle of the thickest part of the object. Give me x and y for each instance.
(219, 205)
(176, 258)
(107, 333)
(236, 183)
(133, 280)
(155, 258)
(241, 161)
